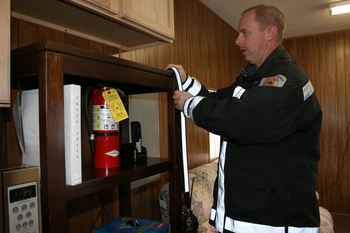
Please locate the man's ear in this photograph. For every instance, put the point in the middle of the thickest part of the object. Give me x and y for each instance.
(271, 32)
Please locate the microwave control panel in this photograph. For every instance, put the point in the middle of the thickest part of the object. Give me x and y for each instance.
(23, 208)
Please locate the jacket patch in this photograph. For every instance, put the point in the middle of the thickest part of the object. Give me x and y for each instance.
(275, 81)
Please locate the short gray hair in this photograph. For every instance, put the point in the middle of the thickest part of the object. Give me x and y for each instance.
(266, 14)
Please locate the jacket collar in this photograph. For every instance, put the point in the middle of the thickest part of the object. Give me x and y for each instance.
(251, 73)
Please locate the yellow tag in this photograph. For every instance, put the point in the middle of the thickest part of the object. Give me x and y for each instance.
(115, 105)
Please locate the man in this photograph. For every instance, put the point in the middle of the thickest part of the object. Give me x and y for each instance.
(270, 121)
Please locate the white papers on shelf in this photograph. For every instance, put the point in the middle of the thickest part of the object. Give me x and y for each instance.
(72, 131)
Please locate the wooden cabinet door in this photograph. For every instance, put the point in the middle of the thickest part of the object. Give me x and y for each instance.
(156, 15)
(5, 53)
(104, 7)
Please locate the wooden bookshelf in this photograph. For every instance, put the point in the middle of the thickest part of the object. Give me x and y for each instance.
(48, 66)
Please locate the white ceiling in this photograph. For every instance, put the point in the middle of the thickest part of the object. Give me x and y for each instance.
(304, 17)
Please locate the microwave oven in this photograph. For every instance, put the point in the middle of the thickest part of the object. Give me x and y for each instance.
(19, 199)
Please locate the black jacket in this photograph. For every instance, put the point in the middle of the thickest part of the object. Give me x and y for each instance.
(272, 135)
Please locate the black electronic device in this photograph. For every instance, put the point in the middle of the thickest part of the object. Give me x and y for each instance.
(134, 151)
(136, 136)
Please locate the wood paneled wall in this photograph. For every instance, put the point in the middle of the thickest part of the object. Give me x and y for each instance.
(326, 60)
(204, 45)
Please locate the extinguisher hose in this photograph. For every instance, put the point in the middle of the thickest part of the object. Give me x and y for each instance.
(88, 119)
(120, 92)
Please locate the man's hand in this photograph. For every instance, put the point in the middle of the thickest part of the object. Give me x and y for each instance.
(181, 70)
(179, 99)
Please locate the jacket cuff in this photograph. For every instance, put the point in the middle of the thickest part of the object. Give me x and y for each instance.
(192, 85)
(190, 104)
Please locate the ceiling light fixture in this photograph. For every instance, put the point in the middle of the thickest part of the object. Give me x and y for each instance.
(339, 7)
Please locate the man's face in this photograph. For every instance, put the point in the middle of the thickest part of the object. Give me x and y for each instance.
(251, 41)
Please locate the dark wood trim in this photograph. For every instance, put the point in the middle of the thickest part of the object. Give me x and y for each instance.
(48, 66)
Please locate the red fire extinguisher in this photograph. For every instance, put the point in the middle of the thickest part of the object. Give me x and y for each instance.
(103, 130)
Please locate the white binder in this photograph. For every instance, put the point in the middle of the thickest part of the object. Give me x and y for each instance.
(72, 134)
